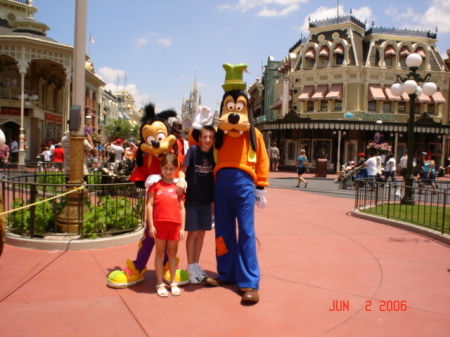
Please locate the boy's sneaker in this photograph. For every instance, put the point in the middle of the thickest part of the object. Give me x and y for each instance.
(194, 276)
(201, 272)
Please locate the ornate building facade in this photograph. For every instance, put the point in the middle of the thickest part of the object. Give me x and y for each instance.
(36, 79)
(333, 97)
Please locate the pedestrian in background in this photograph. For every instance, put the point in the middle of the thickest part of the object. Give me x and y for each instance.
(14, 151)
(371, 167)
(47, 155)
(58, 157)
(118, 149)
(274, 157)
(390, 169)
(302, 167)
(428, 175)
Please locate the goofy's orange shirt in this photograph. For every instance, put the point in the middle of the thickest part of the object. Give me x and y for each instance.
(237, 153)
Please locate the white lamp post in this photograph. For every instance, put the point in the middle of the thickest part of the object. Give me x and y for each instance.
(410, 85)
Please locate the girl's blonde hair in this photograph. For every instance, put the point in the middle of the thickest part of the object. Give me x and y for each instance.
(302, 151)
(170, 158)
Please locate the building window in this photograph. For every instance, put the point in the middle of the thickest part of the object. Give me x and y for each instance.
(323, 61)
(58, 132)
(372, 105)
(417, 109)
(322, 149)
(403, 62)
(431, 108)
(338, 105)
(48, 130)
(402, 107)
(291, 151)
(310, 106)
(387, 106)
(339, 59)
(388, 61)
(310, 63)
(323, 105)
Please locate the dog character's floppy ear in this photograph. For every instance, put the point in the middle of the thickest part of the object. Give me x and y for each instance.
(252, 126)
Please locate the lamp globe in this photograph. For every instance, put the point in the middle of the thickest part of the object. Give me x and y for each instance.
(413, 60)
(410, 87)
(429, 88)
(397, 89)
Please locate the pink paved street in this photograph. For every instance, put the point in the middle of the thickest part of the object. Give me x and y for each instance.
(314, 255)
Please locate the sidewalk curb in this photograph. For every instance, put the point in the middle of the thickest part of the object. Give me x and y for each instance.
(432, 234)
(75, 243)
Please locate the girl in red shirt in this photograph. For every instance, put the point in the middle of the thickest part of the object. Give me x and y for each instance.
(166, 217)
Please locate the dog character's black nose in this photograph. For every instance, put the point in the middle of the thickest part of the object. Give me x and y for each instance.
(233, 118)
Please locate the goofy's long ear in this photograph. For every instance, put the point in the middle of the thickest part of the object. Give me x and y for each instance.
(219, 138)
(252, 127)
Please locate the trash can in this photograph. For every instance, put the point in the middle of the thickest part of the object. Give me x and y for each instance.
(321, 168)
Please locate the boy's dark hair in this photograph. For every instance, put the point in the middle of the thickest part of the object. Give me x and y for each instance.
(209, 128)
(170, 158)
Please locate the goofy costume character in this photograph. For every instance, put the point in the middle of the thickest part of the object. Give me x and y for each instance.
(241, 173)
(156, 140)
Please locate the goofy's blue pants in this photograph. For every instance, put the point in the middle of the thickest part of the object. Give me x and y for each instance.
(234, 199)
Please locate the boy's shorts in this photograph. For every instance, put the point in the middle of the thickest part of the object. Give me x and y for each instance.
(198, 216)
(167, 230)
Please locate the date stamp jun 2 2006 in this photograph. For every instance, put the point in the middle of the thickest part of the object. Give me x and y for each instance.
(371, 305)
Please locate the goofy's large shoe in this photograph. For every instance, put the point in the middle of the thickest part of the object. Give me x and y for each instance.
(127, 277)
(250, 296)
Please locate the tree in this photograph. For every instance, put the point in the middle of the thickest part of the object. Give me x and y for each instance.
(119, 128)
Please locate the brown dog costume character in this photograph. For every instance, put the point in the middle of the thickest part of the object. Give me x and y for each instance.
(241, 173)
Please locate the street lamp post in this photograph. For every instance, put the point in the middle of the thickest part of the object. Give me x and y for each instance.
(410, 85)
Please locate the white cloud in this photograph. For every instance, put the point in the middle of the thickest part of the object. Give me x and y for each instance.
(437, 15)
(142, 41)
(266, 8)
(108, 74)
(166, 42)
(363, 14)
(273, 12)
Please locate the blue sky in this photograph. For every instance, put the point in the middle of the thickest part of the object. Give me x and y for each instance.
(162, 46)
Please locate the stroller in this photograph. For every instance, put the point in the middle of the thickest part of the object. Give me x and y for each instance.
(346, 179)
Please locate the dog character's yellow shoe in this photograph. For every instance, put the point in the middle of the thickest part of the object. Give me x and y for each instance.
(181, 276)
(127, 277)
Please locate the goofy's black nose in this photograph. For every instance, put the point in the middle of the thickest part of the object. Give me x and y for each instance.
(233, 118)
(155, 144)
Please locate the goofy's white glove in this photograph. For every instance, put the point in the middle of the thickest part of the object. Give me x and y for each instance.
(260, 199)
(151, 180)
(203, 117)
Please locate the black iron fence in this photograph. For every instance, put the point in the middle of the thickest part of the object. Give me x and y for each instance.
(431, 208)
(38, 204)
